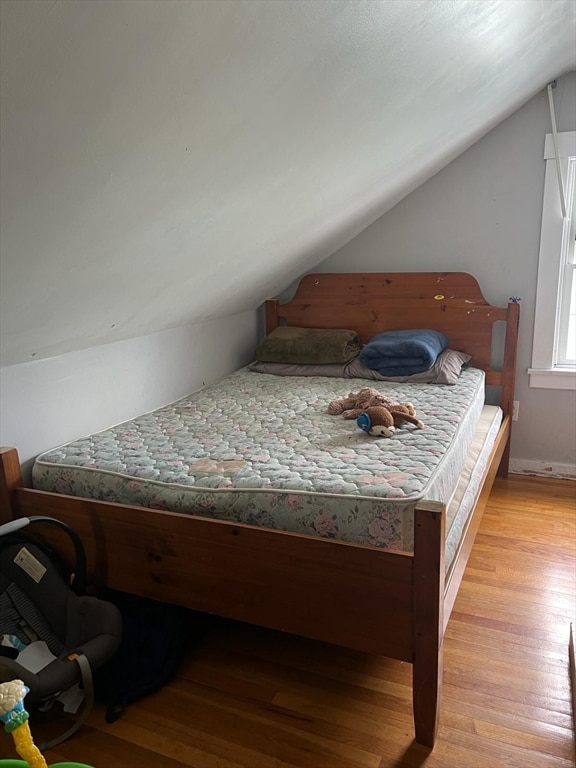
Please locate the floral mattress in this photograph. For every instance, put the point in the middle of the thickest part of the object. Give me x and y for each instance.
(260, 449)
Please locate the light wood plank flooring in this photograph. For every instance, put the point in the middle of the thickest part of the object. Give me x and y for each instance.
(251, 698)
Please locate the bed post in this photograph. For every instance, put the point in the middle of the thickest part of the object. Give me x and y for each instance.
(509, 375)
(428, 605)
(272, 308)
(10, 478)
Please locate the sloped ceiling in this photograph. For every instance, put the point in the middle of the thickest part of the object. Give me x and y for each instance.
(167, 162)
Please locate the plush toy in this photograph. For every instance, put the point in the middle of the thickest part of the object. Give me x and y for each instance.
(376, 421)
(352, 406)
(405, 413)
(381, 422)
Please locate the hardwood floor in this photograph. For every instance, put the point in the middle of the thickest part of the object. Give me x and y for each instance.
(252, 698)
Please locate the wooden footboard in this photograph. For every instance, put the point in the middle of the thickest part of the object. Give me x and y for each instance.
(362, 597)
(292, 582)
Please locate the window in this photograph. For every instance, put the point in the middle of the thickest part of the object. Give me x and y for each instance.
(554, 350)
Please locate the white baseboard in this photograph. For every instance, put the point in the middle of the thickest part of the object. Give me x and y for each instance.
(543, 469)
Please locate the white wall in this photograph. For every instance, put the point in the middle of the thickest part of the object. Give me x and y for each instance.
(482, 214)
(48, 402)
(150, 148)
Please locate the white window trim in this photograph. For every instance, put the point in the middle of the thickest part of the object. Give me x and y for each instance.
(544, 373)
(567, 281)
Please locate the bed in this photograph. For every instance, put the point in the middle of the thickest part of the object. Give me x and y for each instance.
(372, 562)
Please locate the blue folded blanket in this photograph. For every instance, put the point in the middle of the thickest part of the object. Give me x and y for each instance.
(402, 353)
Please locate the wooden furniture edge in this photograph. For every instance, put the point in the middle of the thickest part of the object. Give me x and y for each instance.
(572, 671)
(10, 478)
(509, 379)
(427, 611)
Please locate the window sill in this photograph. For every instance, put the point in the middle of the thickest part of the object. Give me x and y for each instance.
(553, 378)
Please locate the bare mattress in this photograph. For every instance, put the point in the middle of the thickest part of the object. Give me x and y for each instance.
(261, 449)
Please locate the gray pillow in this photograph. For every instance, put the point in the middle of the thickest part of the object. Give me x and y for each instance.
(445, 370)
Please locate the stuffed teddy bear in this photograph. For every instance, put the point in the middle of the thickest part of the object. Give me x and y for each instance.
(381, 422)
(352, 406)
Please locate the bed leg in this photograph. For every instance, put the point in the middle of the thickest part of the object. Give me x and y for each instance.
(428, 604)
(503, 467)
(10, 478)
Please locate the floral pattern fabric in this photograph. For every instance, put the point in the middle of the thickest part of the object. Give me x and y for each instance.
(260, 449)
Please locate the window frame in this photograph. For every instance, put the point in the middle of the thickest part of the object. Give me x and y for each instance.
(567, 290)
(550, 320)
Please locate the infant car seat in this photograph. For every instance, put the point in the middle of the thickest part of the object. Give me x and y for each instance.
(37, 604)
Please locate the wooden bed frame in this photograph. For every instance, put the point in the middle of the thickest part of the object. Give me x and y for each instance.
(380, 602)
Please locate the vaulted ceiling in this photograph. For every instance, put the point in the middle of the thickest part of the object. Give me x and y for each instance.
(168, 161)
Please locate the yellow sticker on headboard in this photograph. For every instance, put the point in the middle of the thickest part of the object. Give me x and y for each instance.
(439, 296)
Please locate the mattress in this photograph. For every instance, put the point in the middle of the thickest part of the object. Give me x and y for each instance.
(261, 449)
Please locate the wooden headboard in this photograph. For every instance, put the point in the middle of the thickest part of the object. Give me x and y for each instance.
(369, 303)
